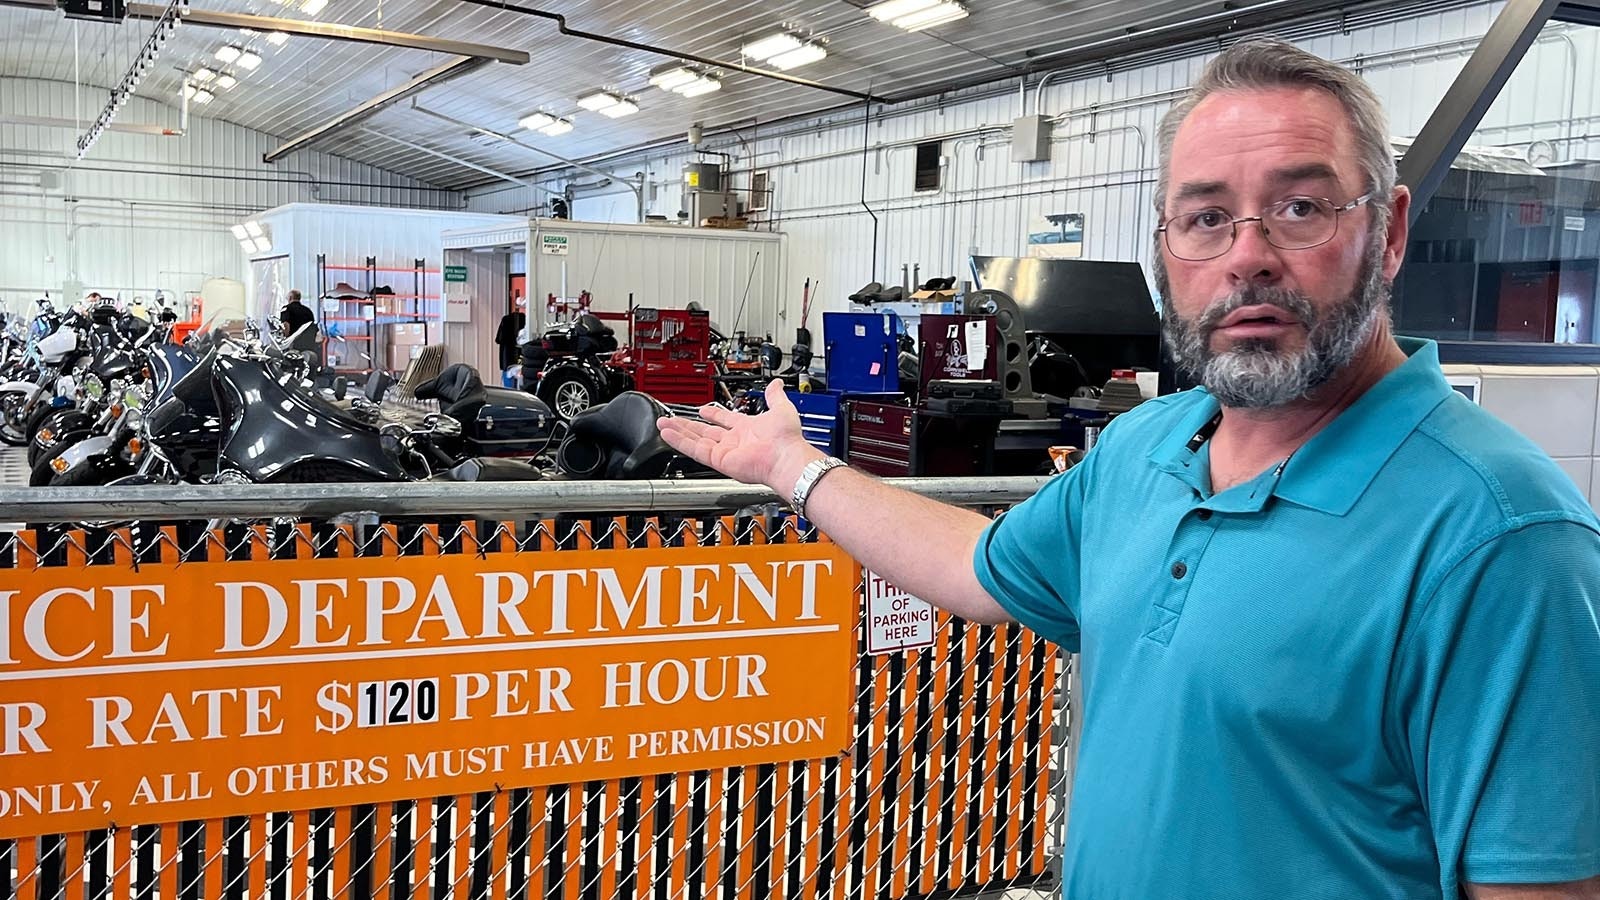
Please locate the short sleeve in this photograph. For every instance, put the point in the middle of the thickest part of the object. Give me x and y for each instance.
(1028, 559)
(1501, 703)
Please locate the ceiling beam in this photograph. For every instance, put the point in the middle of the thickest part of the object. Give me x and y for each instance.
(328, 30)
(454, 68)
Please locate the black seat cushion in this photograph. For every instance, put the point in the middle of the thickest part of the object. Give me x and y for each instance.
(487, 469)
(457, 384)
(617, 440)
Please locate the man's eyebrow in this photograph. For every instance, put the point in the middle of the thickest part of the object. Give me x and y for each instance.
(1192, 189)
(1315, 171)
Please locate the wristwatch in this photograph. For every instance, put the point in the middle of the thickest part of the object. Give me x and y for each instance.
(809, 476)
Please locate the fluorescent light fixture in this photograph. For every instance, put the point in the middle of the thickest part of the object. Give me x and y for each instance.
(203, 74)
(228, 53)
(238, 232)
(620, 108)
(672, 77)
(536, 121)
(312, 7)
(188, 92)
(263, 245)
(799, 56)
(204, 96)
(598, 100)
(936, 15)
(249, 60)
(704, 84)
(894, 9)
(226, 81)
(557, 128)
(253, 229)
(771, 45)
(277, 38)
(247, 245)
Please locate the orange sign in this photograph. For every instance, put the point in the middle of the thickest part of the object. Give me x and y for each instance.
(202, 690)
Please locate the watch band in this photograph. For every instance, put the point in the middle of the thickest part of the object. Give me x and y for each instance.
(809, 476)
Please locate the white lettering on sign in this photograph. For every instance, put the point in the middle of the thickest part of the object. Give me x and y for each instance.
(896, 620)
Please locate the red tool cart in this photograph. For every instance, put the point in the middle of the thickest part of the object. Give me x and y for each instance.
(670, 355)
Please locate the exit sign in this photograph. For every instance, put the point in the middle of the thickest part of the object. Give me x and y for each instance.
(455, 273)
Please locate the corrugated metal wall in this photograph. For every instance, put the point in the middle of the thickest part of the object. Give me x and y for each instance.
(145, 212)
(1103, 158)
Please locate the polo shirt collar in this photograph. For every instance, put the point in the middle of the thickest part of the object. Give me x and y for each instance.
(1335, 467)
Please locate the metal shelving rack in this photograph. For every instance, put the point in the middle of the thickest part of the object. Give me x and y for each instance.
(361, 320)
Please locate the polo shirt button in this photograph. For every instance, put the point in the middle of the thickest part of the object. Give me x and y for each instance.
(1205, 515)
(1179, 570)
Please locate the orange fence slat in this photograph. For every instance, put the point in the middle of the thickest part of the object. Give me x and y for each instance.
(422, 847)
(716, 815)
(167, 861)
(122, 862)
(497, 853)
(76, 864)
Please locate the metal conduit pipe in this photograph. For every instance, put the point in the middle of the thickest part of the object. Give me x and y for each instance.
(561, 25)
(638, 189)
(449, 157)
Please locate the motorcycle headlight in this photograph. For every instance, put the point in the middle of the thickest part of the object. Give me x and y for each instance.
(93, 387)
(133, 398)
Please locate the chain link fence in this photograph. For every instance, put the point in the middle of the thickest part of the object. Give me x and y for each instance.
(952, 785)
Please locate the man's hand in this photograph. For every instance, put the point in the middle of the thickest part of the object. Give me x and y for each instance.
(767, 449)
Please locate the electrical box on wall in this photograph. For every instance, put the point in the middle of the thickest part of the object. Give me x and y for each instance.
(1030, 139)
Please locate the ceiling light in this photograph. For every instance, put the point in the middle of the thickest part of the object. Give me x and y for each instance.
(247, 245)
(672, 77)
(248, 60)
(203, 74)
(770, 46)
(894, 9)
(799, 56)
(620, 108)
(253, 229)
(228, 53)
(536, 121)
(204, 96)
(226, 81)
(263, 245)
(598, 100)
(936, 15)
(557, 128)
(238, 232)
(188, 91)
(312, 7)
(701, 85)
(277, 38)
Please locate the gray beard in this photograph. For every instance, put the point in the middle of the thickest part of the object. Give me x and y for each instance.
(1255, 373)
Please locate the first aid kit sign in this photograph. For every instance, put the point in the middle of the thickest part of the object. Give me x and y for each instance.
(896, 620)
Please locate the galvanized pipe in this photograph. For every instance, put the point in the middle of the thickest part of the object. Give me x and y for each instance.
(494, 501)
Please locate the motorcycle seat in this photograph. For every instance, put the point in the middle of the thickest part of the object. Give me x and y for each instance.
(456, 385)
(617, 440)
(482, 468)
(593, 326)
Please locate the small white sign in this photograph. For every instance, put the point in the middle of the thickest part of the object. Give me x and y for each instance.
(1573, 223)
(977, 345)
(457, 306)
(896, 620)
(553, 244)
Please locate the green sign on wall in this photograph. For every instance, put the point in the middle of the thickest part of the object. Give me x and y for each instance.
(455, 273)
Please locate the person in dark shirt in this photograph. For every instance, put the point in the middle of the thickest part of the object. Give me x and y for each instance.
(295, 314)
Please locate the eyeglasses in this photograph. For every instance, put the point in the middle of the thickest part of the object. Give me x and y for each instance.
(1298, 223)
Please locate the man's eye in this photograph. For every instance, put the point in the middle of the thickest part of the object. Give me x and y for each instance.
(1300, 208)
(1207, 219)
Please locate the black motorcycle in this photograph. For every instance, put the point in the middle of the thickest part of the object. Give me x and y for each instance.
(494, 421)
(566, 367)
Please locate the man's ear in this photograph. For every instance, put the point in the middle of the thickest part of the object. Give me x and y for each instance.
(1394, 250)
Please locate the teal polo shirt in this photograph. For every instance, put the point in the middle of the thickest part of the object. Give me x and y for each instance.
(1371, 672)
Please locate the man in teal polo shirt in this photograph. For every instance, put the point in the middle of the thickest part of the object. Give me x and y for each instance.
(1337, 625)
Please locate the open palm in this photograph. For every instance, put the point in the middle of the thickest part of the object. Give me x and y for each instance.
(746, 448)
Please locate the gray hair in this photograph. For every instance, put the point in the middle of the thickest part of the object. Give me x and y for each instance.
(1264, 63)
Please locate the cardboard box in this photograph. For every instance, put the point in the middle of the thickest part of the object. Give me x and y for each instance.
(400, 354)
(408, 334)
(934, 296)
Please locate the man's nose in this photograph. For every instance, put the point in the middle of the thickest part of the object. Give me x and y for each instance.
(1251, 259)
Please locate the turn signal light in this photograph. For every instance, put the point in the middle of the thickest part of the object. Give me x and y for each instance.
(135, 447)
(46, 436)
(116, 410)
(59, 465)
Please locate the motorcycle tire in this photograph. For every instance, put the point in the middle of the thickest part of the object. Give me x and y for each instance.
(568, 392)
(11, 423)
(89, 476)
(36, 419)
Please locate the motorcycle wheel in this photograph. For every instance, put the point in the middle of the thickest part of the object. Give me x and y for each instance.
(36, 419)
(568, 392)
(88, 476)
(12, 432)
